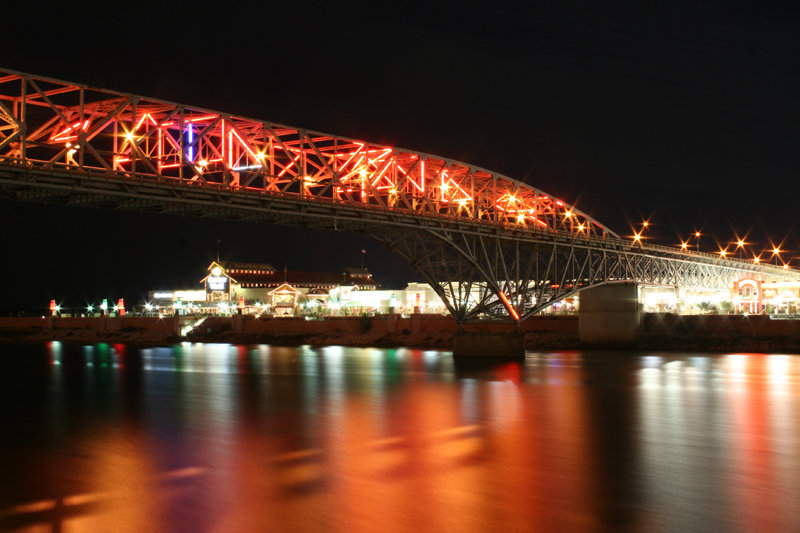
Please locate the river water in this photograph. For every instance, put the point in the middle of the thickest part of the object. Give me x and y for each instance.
(262, 438)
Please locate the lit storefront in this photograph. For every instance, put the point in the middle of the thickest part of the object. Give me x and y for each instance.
(284, 300)
(753, 295)
(258, 288)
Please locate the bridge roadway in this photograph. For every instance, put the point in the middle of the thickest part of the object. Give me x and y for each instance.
(489, 245)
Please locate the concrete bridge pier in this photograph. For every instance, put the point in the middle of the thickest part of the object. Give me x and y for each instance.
(489, 345)
(610, 316)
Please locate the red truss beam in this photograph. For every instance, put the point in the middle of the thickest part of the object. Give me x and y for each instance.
(93, 130)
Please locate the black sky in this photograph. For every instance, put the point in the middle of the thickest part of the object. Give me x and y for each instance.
(685, 113)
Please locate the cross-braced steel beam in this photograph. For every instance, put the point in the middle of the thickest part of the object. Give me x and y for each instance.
(488, 244)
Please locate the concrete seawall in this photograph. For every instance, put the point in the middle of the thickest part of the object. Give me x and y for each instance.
(432, 331)
(658, 331)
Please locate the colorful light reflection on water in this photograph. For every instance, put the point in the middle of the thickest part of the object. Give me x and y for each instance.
(263, 438)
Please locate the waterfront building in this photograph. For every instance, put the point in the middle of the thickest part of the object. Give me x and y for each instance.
(754, 295)
(256, 287)
(260, 288)
(284, 300)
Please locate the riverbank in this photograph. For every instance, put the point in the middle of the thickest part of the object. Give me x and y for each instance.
(706, 333)
(421, 330)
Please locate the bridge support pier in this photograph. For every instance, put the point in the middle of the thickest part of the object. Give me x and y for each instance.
(489, 345)
(609, 316)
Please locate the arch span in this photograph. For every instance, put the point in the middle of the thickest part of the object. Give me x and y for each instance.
(64, 125)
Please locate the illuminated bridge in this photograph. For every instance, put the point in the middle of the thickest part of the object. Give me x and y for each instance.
(488, 244)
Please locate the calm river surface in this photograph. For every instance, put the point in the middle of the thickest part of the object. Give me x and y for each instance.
(259, 438)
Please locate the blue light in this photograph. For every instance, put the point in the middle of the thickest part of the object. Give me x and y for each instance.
(190, 140)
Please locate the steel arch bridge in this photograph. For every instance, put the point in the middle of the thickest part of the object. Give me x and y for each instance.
(487, 244)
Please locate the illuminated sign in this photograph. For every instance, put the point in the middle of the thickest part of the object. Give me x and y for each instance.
(216, 283)
(186, 296)
(189, 296)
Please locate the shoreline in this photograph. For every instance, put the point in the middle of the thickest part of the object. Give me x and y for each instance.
(661, 332)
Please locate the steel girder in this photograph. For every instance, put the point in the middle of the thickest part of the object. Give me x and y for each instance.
(476, 268)
(61, 125)
(500, 276)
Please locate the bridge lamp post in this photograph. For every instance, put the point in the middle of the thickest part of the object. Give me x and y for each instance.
(684, 246)
(740, 246)
(637, 238)
(776, 252)
(645, 225)
(697, 235)
(723, 253)
(756, 259)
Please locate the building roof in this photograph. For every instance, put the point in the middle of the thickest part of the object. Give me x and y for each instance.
(284, 288)
(251, 275)
(357, 272)
(324, 280)
(232, 267)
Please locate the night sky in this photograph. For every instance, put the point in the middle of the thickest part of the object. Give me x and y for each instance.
(683, 114)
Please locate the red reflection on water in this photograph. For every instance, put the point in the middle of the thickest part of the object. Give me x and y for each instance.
(510, 372)
(120, 350)
(751, 480)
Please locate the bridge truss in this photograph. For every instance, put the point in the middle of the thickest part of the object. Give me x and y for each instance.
(488, 244)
